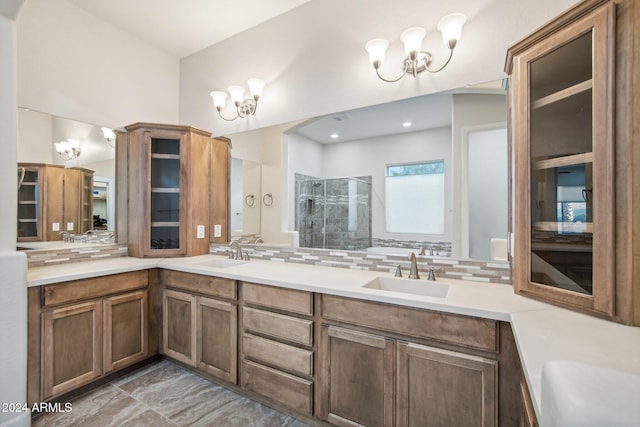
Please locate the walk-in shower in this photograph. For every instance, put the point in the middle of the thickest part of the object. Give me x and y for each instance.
(334, 213)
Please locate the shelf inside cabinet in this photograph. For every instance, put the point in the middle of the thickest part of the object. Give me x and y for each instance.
(564, 227)
(574, 159)
(582, 88)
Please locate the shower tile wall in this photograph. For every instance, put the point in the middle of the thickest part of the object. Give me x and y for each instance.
(334, 213)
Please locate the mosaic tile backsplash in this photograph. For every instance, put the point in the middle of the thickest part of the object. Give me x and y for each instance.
(61, 255)
(473, 270)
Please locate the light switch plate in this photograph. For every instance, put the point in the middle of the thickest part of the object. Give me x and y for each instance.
(69, 226)
(199, 231)
(56, 226)
(217, 230)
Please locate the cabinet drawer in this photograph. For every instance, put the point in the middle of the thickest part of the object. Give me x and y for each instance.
(289, 390)
(209, 285)
(296, 360)
(278, 325)
(466, 331)
(95, 287)
(292, 300)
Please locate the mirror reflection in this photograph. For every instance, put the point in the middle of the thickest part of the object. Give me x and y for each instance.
(424, 174)
(68, 184)
(245, 200)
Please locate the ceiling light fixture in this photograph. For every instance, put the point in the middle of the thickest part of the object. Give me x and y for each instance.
(244, 107)
(110, 136)
(418, 60)
(334, 136)
(406, 124)
(69, 149)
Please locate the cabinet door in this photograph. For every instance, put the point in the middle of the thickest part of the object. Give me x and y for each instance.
(30, 203)
(356, 378)
(125, 330)
(444, 388)
(562, 98)
(178, 326)
(217, 337)
(72, 347)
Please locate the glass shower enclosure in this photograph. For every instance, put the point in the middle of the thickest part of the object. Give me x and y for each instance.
(334, 213)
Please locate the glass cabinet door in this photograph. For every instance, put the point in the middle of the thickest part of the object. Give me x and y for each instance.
(29, 204)
(563, 147)
(165, 193)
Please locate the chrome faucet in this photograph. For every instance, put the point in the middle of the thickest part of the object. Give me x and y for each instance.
(66, 237)
(413, 272)
(238, 254)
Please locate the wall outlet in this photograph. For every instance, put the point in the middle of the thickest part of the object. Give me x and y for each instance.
(69, 226)
(56, 226)
(199, 231)
(217, 230)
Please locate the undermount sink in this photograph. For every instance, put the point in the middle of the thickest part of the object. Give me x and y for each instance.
(221, 263)
(409, 286)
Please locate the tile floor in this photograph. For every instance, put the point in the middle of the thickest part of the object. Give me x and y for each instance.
(165, 394)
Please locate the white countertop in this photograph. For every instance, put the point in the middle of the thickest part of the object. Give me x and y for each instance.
(543, 332)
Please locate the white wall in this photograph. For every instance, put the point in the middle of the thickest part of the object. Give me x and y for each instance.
(13, 265)
(314, 62)
(74, 65)
(34, 128)
(368, 157)
(469, 112)
(488, 174)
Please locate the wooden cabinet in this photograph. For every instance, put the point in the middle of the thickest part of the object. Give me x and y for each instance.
(277, 345)
(571, 112)
(167, 190)
(445, 388)
(198, 330)
(357, 378)
(52, 199)
(125, 330)
(528, 416)
(72, 347)
(81, 330)
(420, 368)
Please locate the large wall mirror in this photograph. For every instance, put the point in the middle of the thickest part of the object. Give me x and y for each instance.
(37, 134)
(430, 171)
(440, 183)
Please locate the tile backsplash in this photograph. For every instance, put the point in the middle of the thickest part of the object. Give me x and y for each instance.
(61, 255)
(473, 270)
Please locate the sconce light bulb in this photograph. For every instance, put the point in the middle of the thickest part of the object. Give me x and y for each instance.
(237, 94)
(412, 40)
(376, 49)
(451, 28)
(219, 99)
(256, 86)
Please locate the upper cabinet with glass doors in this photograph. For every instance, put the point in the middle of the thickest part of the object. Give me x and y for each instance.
(563, 90)
(171, 182)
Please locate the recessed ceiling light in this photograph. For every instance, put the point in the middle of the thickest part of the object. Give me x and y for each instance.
(334, 135)
(406, 124)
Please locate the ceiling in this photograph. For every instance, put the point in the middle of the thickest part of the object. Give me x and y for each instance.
(183, 27)
(422, 112)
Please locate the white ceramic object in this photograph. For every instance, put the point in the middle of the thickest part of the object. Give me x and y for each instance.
(409, 286)
(577, 394)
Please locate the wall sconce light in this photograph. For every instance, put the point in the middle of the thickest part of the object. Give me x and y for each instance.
(418, 60)
(244, 107)
(110, 136)
(69, 149)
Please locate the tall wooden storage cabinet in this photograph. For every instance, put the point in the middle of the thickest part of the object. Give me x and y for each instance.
(50, 195)
(165, 186)
(574, 118)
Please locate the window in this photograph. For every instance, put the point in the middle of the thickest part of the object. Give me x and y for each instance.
(414, 198)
